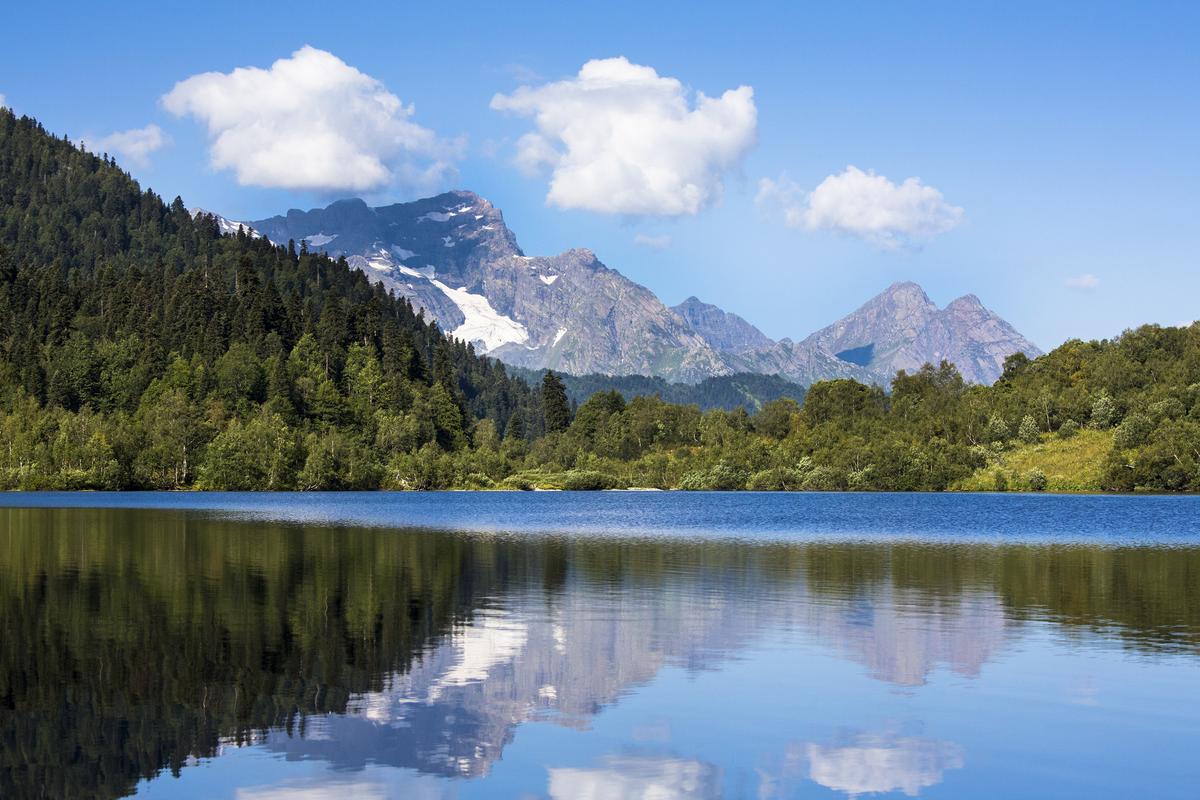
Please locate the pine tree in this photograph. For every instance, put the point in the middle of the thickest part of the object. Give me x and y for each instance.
(556, 412)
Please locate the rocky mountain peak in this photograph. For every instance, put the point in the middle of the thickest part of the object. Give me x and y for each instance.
(966, 302)
(901, 328)
(723, 331)
(902, 294)
(453, 257)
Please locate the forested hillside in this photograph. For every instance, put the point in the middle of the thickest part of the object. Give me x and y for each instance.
(746, 389)
(139, 348)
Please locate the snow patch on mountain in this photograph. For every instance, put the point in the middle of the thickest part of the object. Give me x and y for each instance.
(548, 279)
(484, 326)
(227, 226)
(427, 272)
(380, 260)
(319, 239)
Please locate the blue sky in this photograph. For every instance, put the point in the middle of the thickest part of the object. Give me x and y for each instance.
(1059, 140)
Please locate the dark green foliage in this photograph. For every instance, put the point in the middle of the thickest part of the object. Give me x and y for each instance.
(1036, 480)
(727, 392)
(556, 412)
(139, 348)
(121, 661)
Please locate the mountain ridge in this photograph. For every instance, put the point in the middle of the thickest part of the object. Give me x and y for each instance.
(454, 258)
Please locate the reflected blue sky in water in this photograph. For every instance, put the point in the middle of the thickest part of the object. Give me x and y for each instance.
(953, 518)
(661, 668)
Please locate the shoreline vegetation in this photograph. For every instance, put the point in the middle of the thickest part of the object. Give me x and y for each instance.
(142, 349)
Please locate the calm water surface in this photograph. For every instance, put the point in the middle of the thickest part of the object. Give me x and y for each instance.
(612, 645)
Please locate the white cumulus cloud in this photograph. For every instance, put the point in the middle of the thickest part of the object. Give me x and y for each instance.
(865, 205)
(312, 122)
(619, 138)
(653, 242)
(134, 145)
(1086, 282)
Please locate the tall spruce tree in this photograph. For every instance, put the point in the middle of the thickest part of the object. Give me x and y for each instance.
(556, 411)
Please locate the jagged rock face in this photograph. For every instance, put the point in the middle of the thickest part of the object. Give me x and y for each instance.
(901, 328)
(799, 362)
(453, 257)
(723, 331)
(593, 319)
(422, 250)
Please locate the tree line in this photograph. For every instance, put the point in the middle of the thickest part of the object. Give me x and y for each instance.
(141, 348)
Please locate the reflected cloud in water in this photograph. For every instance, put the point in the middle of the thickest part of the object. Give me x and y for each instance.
(333, 790)
(637, 778)
(412, 662)
(873, 763)
(859, 763)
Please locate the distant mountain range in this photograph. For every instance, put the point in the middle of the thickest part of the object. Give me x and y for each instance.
(453, 256)
(744, 389)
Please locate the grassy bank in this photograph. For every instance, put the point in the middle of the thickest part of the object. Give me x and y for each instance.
(1068, 465)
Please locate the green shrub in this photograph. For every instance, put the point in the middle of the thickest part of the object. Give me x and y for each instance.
(1134, 431)
(1068, 429)
(518, 482)
(721, 477)
(1166, 409)
(821, 479)
(578, 480)
(776, 479)
(997, 430)
(1028, 432)
(1000, 481)
(1036, 480)
(1104, 412)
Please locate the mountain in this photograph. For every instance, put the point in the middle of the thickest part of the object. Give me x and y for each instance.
(901, 328)
(115, 304)
(226, 226)
(725, 332)
(453, 257)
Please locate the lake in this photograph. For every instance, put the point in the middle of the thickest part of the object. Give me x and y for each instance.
(598, 645)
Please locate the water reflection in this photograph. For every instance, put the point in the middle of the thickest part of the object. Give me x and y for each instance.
(139, 641)
(629, 777)
(872, 763)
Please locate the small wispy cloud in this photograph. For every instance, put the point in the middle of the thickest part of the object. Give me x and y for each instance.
(3, 101)
(1085, 282)
(134, 145)
(887, 215)
(522, 73)
(652, 242)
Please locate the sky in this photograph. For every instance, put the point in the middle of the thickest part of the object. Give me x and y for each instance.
(785, 161)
